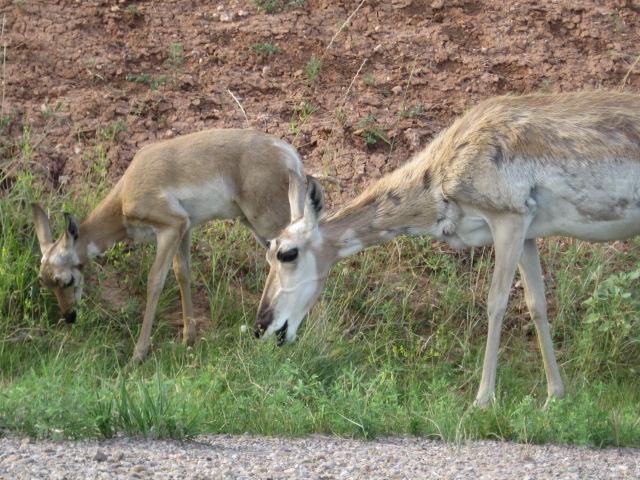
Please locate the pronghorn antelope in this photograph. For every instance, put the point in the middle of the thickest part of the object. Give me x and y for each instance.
(170, 187)
(510, 170)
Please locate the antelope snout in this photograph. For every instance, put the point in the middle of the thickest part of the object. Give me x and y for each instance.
(70, 317)
(263, 320)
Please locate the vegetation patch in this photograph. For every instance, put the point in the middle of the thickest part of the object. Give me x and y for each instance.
(394, 346)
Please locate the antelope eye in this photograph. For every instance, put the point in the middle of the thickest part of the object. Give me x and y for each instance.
(287, 255)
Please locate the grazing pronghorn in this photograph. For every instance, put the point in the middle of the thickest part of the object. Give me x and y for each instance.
(170, 187)
(509, 171)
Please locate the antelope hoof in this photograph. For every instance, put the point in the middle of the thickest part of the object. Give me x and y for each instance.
(189, 334)
(139, 355)
(189, 338)
(484, 400)
(553, 396)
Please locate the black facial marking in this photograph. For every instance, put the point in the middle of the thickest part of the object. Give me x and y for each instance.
(462, 146)
(72, 226)
(426, 180)
(394, 198)
(70, 317)
(281, 333)
(316, 197)
(264, 319)
(287, 255)
(498, 157)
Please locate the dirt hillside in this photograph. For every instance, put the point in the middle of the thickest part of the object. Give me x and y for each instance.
(120, 74)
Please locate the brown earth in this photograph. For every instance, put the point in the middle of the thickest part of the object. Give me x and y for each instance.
(95, 72)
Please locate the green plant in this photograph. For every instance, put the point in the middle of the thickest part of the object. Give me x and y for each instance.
(301, 114)
(369, 79)
(371, 133)
(132, 12)
(611, 335)
(415, 111)
(265, 49)
(146, 79)
(49, 111)
(175, 57)
(110, 132)
(312, 68)
(275, 6)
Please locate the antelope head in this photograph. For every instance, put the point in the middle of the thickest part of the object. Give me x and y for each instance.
(299, 262)
(60, 266)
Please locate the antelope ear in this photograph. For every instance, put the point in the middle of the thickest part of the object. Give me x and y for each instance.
(296, 196)
(43, 230)
(314, 202)
(72, 231)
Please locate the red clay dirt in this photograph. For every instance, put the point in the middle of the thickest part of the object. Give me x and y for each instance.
(122, 74)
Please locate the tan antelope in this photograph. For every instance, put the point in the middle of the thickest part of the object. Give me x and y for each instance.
(512, 169)
(170, 187)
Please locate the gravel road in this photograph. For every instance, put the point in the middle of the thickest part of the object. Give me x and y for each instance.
(315, 457)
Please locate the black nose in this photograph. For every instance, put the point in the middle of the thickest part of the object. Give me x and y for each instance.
(263, 320)
(70, 317)
(281, 333)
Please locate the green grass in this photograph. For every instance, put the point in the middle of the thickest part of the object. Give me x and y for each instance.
(265, 49)
(371, 133)
(144, 78)
(276, 6)
(312, 68)
(393, 347)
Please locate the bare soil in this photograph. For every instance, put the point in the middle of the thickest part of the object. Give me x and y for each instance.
(122, 74)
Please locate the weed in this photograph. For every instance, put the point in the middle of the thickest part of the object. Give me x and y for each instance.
(415, 111)
(312, 68)
(146, 79)
(49, 111)
(132, 13)
(176, 56)
(341, 117)
(265, 49)
(110, 132)
(275, 6)
(301, 114)
(369, 79)
(371, 133)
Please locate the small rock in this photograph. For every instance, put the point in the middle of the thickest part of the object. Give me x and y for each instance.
(397, 90)
(243, 13)
(100, 456)
(226, 17)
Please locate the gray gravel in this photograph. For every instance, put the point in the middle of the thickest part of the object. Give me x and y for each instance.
(316, 457)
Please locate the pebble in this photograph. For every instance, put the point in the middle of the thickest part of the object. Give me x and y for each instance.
(100, 456)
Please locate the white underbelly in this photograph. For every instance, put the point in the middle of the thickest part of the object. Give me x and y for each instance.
(214, 199)
(564, 219)
(140, 232)
(618, 221)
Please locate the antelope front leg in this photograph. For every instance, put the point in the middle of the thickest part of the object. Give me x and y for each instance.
(182, 271)
(508, 238)
(167, 240)
(531, 274)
